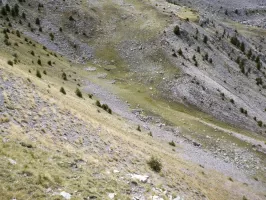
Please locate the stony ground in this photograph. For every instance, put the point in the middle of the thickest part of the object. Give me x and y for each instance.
(57, 146)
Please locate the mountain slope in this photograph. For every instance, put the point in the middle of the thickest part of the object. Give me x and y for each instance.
(126, 56)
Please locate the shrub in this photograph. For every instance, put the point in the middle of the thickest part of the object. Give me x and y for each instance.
(155, 164)
(23, 15)
(78, 93)
(109, 110)
(90, 96)
(242, 47)
(38, 74)
(3, 11)
(18, 33)
(32, 53)
(260, 123)
(138, 128)
(98, 104)
(51, 36)
(205, 39)
(49, 62)
(39, 62)
(64, 76)
(71, 18)
(180, 52)
(62, 90)
(105, 107)
(44, 72)
(177, 30)
(10, 62)
(37, 21)
(232, 101)
(172, 143)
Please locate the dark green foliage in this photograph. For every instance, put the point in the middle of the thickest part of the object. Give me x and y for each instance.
(105, 107)
(62, 90)
(258, 65)
(232, 101)
(172, 143)
(40, 29)
(205, 39)
(98, 104)
(32, 53)
(260, 123)
(38, 74)
(109, 110)
(235, 41)
(23, 15)
(259, 81)
(138, 128)
(60, 29)
(180, 52)
(71, 18)
(198, 49)
(155, 164)
(249, 54)
(39, 62)
(64, 76)
(51, 36)
(44, 72)
(90, 96)
(78, 93)
(243, 111)
(10, 62)
(177, 30)
(37, 21)
(242, 47)
(244, 198)
(206, 57)
(7, 8)
(7, 43)
(3, 11)
(50, 63)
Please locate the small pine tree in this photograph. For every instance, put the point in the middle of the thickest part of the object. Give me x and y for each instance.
(39, 62)
(177, 30)
(10, 62)
(98, 104)
(62, 90)
(37, 21)
(78, 93)
(205, 39)
(64, 76)
(138, 128)
(180, 52)
(38, 74)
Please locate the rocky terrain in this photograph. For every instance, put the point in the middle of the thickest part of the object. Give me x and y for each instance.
(92, 91)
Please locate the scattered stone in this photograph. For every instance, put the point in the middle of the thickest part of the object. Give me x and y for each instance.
(111, 195)
(142, 178)
(65, 195)
(12, 162)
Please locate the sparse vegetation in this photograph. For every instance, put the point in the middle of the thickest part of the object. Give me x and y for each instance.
(38, 74)
(172, 143)
(62, 90)
(78, 93)
(177, 30)
(155, 164)
(10, 62)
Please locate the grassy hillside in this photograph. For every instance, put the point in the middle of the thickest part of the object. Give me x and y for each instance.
(56, 138)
